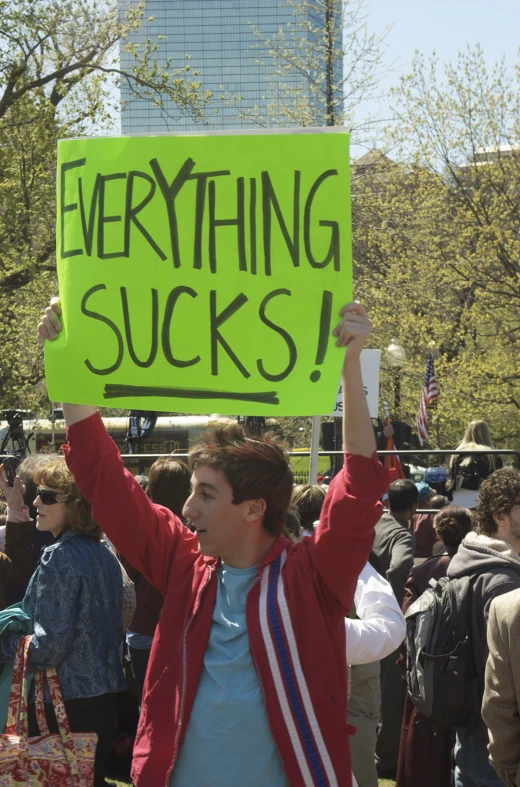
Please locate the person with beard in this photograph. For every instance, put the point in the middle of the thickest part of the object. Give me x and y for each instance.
(490, 557)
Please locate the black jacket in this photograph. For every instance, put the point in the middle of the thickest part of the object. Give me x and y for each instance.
(496, 570)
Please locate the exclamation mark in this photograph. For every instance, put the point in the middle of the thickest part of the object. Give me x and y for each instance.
(323, 340)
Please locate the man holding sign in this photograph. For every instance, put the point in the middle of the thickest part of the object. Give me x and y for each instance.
(247, 682)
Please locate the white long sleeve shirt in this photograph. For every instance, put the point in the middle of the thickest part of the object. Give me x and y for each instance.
(381, 627)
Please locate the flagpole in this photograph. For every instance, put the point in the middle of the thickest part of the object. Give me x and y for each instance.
(315, 447)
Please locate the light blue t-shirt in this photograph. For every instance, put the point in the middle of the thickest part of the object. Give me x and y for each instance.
(228, 740)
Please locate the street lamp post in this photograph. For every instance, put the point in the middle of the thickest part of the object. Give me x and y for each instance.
(396, 358)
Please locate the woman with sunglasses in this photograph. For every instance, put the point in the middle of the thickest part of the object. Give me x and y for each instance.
(75, 600)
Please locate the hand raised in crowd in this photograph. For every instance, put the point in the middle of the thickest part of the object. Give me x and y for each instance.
(13, 494)
(50, 325)
(353, 329)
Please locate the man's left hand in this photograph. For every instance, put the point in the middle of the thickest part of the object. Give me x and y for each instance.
(354, 328)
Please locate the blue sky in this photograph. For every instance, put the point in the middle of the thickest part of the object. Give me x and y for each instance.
(446, 26)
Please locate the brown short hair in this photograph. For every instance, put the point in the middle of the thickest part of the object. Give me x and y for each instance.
(53, 472)
(169, 484)
(255, 469)
(308, 499)
(497, 495)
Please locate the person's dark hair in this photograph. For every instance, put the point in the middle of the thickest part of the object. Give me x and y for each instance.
(292, 528)
(142, 481)
(452, 524)
(439, 501)
(169, 484)
(54, 473)
(255, 469)
(402, 495)
(497, 495)
(308, 499)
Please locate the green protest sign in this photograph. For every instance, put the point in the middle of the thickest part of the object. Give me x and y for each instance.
(202, 273)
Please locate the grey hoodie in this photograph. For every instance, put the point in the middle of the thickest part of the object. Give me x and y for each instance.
(497, 569)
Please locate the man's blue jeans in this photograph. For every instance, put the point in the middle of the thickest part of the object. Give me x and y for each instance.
(472, 766)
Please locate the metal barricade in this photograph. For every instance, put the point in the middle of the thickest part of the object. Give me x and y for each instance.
(138, 460)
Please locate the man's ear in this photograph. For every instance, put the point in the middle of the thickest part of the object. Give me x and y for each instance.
(500, 518)
(256, 509)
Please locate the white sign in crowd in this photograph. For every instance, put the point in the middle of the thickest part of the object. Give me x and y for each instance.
(370, 365)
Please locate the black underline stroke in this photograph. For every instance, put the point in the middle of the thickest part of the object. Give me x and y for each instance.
(114, 391)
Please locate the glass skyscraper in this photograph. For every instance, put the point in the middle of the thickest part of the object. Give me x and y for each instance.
(218, 36)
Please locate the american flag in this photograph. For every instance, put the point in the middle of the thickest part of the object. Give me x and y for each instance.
(430, 392)
(392, 462)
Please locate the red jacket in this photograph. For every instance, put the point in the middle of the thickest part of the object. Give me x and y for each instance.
(295, 612)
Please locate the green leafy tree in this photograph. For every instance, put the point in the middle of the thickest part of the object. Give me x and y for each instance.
(321, 67)
(58, 67)
(437, 245)
(57, 46)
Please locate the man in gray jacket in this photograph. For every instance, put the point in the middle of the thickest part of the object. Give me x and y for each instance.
(394, 542)
(491, 558)
(394, 547)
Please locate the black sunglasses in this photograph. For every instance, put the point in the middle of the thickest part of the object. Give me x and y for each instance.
(49, 498)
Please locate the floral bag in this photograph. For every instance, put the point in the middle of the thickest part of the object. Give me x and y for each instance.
(62, 760)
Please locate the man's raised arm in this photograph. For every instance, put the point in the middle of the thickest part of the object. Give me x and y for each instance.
(352, 332)
(351, 509)
(147, 535)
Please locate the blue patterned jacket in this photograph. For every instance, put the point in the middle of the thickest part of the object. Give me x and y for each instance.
(75, 599)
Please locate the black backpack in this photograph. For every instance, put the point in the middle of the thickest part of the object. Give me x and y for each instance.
(471, 478)
(441, 674)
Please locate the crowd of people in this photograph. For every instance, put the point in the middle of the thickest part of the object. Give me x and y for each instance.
(268, 626)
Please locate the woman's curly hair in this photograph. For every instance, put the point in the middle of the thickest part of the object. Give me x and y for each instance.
(54, 473)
